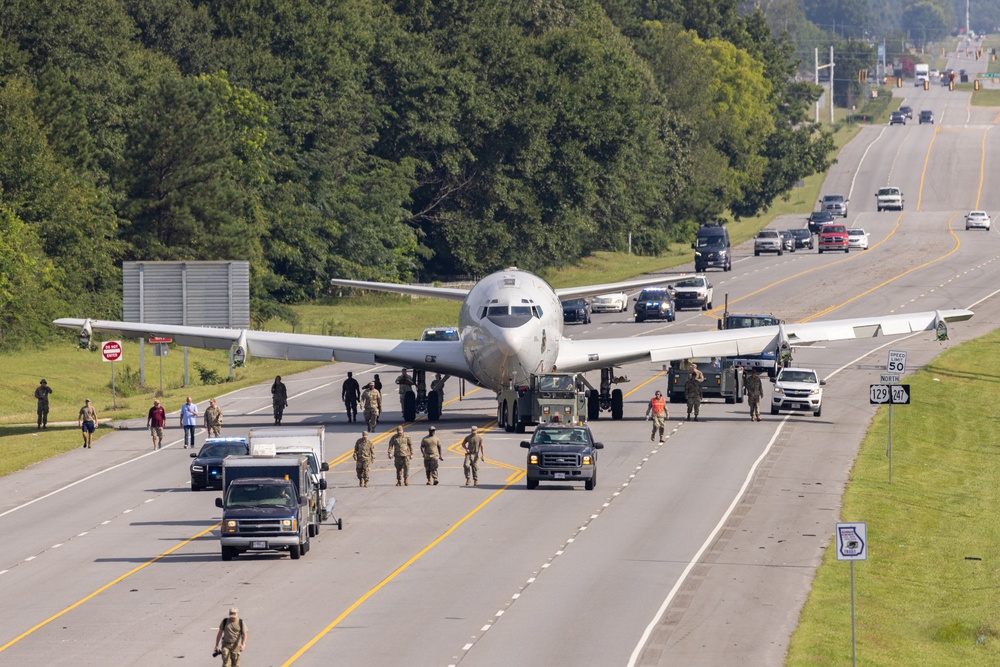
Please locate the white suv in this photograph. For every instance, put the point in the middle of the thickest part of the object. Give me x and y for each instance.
(768, 240)
(797, 389)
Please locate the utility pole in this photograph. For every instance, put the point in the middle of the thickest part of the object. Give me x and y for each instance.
(818, 67)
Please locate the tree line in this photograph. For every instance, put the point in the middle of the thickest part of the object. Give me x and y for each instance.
(375, 139)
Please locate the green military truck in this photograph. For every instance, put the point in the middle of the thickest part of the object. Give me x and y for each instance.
(541, 400)
(723, 379)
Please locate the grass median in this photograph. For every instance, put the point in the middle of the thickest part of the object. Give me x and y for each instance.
(927, 595)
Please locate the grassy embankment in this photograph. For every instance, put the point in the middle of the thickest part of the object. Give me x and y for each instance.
(76, 374)
(927, 595)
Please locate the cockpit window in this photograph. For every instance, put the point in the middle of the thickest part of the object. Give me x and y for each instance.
(509, 317)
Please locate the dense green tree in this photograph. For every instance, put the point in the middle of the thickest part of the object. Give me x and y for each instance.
(926, 22)
(28, 283)
(193, 169)
(73, 219)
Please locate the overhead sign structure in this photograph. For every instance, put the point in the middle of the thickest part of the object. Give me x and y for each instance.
(889, 394)
(111, 350)
(852, 541)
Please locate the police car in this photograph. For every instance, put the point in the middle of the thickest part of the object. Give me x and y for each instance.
(440, 333)
(206, 469)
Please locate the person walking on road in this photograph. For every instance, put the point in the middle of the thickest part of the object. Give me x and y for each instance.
(231, 639)
(364, 454)
(401, 452)
(437, 384)
(88, 423)
(755, 391)
(156, 419)
(42, 392)
(474, 450)
(279, 398)
(213, 420)
(371, 403)
(378, 383)
(350, 393)
(692, 391)
(430, 447)
(658, 407)
(189, 420)
(405, 383)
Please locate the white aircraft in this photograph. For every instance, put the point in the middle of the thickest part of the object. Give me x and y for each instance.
(510, 326)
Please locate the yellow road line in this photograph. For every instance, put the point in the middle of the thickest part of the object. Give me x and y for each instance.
(894, 278)
(105, 587)
(982, 169)
(923, 174)
(399, 570)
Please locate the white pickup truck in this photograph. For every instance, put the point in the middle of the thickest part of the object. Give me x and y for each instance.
(887, 198)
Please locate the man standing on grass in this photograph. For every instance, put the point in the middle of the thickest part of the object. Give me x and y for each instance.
(42, 392)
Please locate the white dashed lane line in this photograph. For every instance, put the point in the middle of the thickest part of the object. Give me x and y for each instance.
(562, 549)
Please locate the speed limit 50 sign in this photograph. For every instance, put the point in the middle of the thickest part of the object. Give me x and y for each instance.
(897, 362)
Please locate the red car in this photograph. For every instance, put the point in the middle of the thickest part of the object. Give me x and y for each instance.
(833, 237)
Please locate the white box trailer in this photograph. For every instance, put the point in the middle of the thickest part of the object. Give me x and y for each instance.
(308, 441)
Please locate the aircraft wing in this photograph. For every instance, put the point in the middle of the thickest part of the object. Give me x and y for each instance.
(456, 294)
(449, 293)
(585, 355)
(592, 290)
(443, 357)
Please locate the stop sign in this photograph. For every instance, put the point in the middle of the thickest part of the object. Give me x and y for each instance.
(111, 350)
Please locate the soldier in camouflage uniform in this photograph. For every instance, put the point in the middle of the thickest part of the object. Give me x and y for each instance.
(692, 391)
(364, 454)
(437, 384)
(405, 383)
(371, 403)
(401, 452)
(213, 420)
(755, 391)
(42, 392)
(279, 398)
(474, 450)
(430, 447)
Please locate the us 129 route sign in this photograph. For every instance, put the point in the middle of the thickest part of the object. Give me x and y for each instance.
(892, 394)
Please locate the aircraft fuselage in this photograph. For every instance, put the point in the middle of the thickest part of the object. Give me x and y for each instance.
(511, 325)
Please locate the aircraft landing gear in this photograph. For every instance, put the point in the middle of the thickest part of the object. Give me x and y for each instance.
(422, 401)
(608, 399)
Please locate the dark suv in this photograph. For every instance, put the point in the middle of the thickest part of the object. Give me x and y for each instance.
(562, 453)
(926, 117)
(654, 303)
(817, 219)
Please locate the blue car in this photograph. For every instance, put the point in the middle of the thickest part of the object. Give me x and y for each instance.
(576, 310)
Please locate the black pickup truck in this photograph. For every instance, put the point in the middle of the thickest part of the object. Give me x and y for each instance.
(562, 453)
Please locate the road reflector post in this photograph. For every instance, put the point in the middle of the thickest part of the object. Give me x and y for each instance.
(975, 84)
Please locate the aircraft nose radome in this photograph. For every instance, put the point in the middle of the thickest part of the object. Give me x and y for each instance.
(510, 342)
